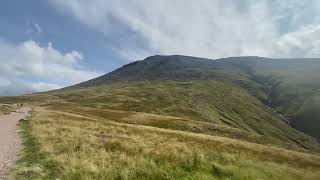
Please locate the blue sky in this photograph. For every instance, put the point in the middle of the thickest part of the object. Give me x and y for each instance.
(48, 44)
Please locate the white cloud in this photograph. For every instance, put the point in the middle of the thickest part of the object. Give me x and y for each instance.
(305, 41)
(29, 67)
(38, 28)
(33, 28)
(207, 28)
(41, 86)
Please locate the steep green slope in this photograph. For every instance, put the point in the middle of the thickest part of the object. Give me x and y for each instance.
(294, 89)
(291, 86)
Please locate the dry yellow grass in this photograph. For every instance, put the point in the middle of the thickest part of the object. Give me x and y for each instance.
(77, 146)
(7, 108)
(174, 123)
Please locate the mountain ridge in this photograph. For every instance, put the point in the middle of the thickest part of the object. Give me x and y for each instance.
(193, 60)
(262, 77)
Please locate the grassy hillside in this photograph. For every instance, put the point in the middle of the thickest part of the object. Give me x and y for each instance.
(294, 88)
(172, 117)
(291, 86)
(209, 107)
(66, 145)
(211, 102)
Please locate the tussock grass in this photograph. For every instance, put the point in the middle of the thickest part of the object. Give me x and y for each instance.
(33, 163)
(7, 108)
(175, 123)
(220, 107)
(219, 103)
(76, 146)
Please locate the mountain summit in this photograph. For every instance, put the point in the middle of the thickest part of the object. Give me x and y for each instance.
(174, 67)
(290, 86)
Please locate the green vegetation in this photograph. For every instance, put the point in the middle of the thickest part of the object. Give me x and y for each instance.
(176, 118)
(219, 107)
(294, 87)
(33, 163)
(291, 85)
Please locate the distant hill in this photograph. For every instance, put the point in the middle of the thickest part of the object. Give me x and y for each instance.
(290, 86)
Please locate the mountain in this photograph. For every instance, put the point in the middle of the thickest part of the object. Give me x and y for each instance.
(289, 86)
(173, 117)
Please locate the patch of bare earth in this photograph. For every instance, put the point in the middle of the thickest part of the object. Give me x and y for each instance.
(9, 140)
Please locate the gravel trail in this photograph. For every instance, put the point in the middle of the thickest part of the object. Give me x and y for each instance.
(9, 140)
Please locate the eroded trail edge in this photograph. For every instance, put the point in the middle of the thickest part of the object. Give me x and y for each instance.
(10, 142)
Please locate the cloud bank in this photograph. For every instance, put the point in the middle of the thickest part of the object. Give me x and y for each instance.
(206, 28)
(29, 67)
(139, 28)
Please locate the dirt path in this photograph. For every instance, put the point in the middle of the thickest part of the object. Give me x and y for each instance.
(9, 140)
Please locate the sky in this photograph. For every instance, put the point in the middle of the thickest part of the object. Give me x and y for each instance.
(50, 44)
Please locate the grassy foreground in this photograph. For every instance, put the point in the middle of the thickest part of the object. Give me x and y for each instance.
(65, 145)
